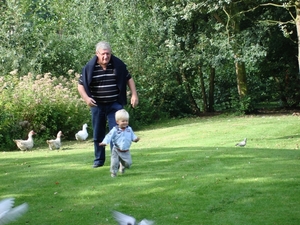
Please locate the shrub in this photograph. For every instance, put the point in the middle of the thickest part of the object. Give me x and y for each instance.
(43, 103)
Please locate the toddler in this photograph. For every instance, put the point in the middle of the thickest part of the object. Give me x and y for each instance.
(121, 137)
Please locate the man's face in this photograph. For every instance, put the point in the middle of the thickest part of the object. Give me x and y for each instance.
(103, 56)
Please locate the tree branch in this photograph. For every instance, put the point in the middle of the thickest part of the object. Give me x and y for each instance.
(286, 6)
(277, 22)
(227, 24)
(277, 5)
(218, 18)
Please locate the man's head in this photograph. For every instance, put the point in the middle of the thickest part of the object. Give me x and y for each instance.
(103, 52)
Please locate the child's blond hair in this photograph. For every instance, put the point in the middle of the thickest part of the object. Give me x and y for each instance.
(122, 114)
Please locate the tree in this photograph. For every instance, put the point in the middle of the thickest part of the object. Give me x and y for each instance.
(293, 9)
(284, 14)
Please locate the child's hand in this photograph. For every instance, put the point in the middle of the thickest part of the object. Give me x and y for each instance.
(102, 144)
(136, 140)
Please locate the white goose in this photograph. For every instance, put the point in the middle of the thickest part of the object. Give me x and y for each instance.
(26, 144)
(82, 134)
(56, 143)
(8, 213)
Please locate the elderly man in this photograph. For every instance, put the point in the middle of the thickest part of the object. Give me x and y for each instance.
(102, 85)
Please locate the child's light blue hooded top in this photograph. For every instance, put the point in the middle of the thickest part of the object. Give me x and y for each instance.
(120, 138)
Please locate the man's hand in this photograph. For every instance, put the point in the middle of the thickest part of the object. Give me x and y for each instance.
(134, 96)
(134, 101)
(90, 102)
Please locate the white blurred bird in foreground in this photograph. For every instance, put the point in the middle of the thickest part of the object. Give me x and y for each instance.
(8, 213)
(124, 219)
(242, 143)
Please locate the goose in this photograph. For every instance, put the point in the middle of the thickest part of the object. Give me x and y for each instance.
(82, 134)
(25, 144)
(8, 213)
(56, 143)
(242, 143)
(124, 219)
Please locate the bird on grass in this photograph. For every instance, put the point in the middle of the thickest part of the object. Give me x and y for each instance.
(242, 143)
(56, 143)
(8, 213)
(26, 144)
(82, 134)
(124, 219)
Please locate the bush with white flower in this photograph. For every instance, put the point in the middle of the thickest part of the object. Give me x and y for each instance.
(43, 103)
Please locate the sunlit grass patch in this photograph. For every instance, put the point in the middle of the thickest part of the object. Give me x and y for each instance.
(188, 172)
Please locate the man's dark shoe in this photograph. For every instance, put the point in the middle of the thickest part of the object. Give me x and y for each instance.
(97, 165)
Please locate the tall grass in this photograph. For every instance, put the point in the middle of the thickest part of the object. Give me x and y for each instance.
(184, 171)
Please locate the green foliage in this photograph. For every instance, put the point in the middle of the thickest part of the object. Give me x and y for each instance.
(43, 103)
(243, 106)
(165, 45)
(41, 37)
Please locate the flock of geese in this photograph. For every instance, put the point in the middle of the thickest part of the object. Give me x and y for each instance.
(81, 135)
(53, 144)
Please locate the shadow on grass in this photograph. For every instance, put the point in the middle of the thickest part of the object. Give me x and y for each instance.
(290, 136)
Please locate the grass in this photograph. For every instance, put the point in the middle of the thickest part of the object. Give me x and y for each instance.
(184, 171)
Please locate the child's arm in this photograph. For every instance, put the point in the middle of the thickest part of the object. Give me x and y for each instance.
(107, 139)
(134, 138)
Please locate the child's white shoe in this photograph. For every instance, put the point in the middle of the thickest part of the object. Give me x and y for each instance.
(113, 175)
(122, 168)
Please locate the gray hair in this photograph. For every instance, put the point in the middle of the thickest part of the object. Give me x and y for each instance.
(103, 45)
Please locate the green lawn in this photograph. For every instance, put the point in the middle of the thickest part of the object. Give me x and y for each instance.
(184, 171)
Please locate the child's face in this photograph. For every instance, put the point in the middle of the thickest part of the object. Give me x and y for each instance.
(123, 123)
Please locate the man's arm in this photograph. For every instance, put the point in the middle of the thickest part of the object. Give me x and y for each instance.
(134, 97)
(89, 101)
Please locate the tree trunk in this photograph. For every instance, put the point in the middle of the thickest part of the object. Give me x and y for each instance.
(240, 70)
(202, 86)
(211, 89)
(297, 21)
(194, 105)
